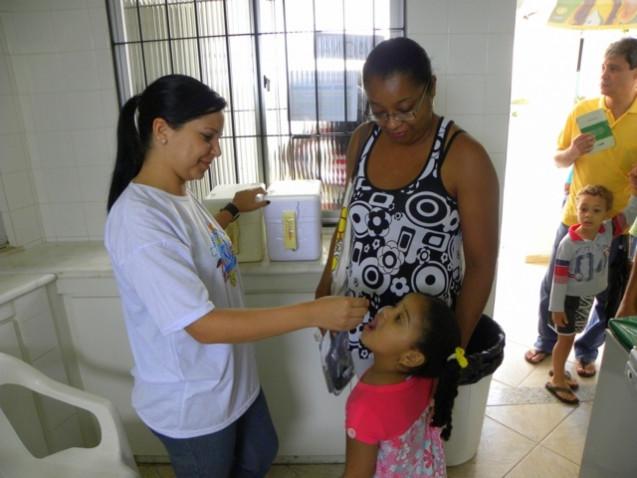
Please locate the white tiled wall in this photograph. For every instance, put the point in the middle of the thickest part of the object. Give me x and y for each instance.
(59, 53)
(18, 199)
(470, 43)
(61, 59)
(471, 47)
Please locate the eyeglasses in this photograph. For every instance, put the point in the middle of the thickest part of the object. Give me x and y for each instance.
(400, 116)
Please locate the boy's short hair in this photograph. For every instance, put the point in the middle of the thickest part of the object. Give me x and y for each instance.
(596, 190)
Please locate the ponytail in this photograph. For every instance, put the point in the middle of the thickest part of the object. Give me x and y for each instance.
(175, 98)
(441, 337)
(130, 153)
(446, 392)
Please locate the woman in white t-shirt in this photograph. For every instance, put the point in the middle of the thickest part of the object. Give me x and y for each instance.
(196, 385)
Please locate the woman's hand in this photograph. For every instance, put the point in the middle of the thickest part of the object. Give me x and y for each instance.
(248, 200)
(338, 313)
(234, 326)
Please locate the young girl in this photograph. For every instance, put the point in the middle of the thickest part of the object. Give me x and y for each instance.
(397, 413)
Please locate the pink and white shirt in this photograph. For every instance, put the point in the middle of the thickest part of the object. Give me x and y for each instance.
(397, 418)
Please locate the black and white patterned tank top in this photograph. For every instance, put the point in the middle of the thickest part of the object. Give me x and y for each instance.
(403, 240)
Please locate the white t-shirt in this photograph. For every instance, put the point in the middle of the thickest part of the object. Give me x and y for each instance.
(173, 264)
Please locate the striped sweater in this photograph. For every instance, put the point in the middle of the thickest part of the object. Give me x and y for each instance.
(581, 265)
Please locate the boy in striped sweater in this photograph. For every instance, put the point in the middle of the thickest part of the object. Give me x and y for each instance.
(581, 272)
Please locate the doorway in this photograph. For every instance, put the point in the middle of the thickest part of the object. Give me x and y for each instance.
(545, 86)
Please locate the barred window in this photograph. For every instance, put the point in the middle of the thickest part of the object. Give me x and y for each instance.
(289, 69)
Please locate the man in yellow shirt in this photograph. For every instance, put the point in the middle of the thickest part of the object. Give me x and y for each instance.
(609, 167)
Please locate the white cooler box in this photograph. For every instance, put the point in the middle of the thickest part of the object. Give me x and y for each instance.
(246, 233)
(293, 220)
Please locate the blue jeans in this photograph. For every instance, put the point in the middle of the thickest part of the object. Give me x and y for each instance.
(245, 449)
(593, 335)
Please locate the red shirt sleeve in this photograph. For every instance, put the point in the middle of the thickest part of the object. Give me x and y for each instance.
(361, 421)
(380, 412)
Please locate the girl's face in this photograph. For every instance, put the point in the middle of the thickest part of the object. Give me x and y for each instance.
(402, 108)
(591, 212)
(195, 145)
(396, 329)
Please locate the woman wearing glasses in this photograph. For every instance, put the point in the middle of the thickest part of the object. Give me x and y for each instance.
(424, 207)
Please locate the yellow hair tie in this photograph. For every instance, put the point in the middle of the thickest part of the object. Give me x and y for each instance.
(458, 356)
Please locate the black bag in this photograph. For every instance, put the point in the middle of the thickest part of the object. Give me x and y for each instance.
(485, 351)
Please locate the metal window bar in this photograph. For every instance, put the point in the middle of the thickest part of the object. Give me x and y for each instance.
(170, 46)
(322, 143)
(345, 112)
(231, 99)
(317, 127)
(196, 15)
(141, 40)
(287, 66)
(260, 114)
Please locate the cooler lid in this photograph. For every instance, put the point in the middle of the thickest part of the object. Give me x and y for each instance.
(625, 329)
(299, 187)
(227, 191)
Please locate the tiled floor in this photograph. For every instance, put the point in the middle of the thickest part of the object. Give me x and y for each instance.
(526, 432)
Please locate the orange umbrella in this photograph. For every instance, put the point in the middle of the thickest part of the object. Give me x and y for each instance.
(593, 15)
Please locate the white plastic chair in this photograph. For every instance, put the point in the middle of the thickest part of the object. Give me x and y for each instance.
(111, 458)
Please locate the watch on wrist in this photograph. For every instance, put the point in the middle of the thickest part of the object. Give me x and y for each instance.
(232, 209)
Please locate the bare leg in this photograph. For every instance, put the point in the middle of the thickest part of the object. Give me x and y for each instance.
(560, 353)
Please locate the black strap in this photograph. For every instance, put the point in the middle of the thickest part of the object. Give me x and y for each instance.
(366, 135)
(447, 144)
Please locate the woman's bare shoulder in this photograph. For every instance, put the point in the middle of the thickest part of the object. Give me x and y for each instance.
(359, 135)
(467, 163)
(466, 151)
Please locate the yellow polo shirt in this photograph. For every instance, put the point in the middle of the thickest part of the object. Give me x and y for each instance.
(608, 167)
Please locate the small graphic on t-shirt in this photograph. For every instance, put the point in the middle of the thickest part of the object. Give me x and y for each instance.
(221, 248)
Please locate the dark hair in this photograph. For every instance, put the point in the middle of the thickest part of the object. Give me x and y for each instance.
(399, 55)
(175, 98)
(440, 337)
(627, 48)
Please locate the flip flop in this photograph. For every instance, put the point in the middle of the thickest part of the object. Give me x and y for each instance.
(534, 357)
(585, 369)
(572, 383)
(555, 391)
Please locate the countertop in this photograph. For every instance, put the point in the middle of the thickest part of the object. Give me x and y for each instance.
(57, 258)
(15, 285)
(89, 259)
